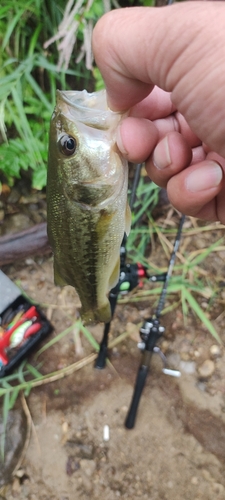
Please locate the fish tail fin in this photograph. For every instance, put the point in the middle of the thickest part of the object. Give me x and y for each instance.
(101, 314)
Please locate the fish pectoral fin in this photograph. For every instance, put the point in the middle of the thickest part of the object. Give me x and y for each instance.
(114, 278)
(59, 281)
(127, 220)
(99, 315)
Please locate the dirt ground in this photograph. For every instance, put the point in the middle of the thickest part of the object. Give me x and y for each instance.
(177, 448)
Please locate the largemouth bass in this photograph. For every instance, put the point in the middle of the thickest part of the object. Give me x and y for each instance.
(86, 198)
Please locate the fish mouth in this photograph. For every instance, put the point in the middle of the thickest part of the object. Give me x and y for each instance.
(89, 108)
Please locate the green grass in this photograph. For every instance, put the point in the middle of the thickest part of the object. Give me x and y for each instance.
(141, 229)
(29, 78)
(190, 281)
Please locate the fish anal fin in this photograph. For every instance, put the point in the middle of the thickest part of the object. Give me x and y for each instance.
(59, 281)
(114, 278)
(127, 219)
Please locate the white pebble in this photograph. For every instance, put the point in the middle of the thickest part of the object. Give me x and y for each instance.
(188, 366)
(215, 351)
(106, 433)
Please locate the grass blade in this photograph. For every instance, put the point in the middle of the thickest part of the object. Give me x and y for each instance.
(200, 313)
(89, 337)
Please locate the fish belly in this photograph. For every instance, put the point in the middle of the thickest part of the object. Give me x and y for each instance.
(86, 254)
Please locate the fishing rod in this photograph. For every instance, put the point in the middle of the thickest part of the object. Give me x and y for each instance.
(150, 333)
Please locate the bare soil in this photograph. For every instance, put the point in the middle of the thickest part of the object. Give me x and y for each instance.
(177, 448)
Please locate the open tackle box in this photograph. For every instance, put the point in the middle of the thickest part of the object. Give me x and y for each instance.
(22, 326)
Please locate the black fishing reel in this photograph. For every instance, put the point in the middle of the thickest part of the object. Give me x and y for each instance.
(150, 333)
(130, 277)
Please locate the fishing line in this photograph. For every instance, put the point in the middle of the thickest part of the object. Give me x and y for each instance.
(170, 268)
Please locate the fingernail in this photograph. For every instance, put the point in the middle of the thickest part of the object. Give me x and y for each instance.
(204, 178)
(161, 156)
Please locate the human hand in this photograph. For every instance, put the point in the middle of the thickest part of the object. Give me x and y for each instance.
(168, 66)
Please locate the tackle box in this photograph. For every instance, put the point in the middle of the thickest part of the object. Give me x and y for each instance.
(22, 326)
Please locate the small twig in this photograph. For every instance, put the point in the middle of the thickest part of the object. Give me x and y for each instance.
(77, 340)
(30, 425)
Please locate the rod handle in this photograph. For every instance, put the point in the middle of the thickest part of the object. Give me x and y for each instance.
(139, 386)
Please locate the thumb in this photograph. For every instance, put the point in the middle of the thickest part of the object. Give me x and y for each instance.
(179, 48)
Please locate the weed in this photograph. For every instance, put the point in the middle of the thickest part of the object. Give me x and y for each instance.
(29, 78)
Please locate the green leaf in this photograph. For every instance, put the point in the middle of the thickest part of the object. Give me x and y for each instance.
(10, 28)
(13, 398)
(37, 89)
(89, 337)
(33, 371)
(57, 338)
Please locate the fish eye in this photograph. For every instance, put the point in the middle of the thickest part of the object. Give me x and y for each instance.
(67, 145)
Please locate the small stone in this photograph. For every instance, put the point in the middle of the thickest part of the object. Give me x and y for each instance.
(18, 222)
(201, 386)
(194, 480)
(188, 367)
(88, 466)
(206, 369)
(29, 262)
(215, 351)
(207, 476)
(164, 346)
(185, 356)
(218, 488)
(14, 196)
